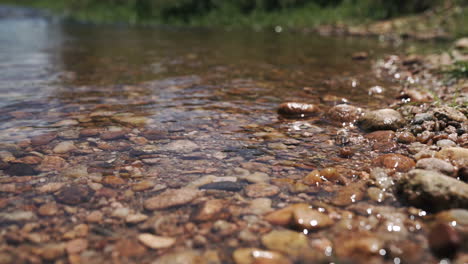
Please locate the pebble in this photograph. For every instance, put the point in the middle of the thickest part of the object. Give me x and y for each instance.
(210, 210)
(406, 138)
(136, 218)
(297, 110)
(462, 43)
(383, 119)
(143, 185)
(156, 242)
(344, 113)
(259, 206)
(52, 163)
(349, 194)
(436, 165)
(113, 181)
(17, 216)
(310, 219)
(223, 186)
(64, 147)
(446, 143)
(170, 198)
(258, 256)
(48, 209)
(74, 194)
(20, 169)
(129, 248)
(183, 146)
(76, 246)
(131, 120)
(52, 252)
(113, 135)
(256, 177)
(94, 217)
(43, 139)
(433, 191)
(187, 256)
(291, 243)
(396, 162)
(448, 113)
(77, 171)
(50, 187)
(381, 135)
(444, 240)
(261, 190)
(456, 155)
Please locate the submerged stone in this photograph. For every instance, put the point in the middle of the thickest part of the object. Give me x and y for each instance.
(297, 110)
(383, 119)
(170, 198)
(432, 190)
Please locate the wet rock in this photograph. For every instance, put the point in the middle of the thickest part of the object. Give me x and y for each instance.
(20, 169)
(30, 160)
(310, 219)
(344, 113)
(64, 147)
(170, 198)
(383, 119)
(211, 210)
(257, 256)
(95, 217)
(43, 139)
(261, 190)
(406, 138)
(259, 206)
(17, 216)
(396, 162)
(129, 248)
(283, 217)
(76, 246)
(432, 190)
(297, 110)
(52, 251)
(131, 120)
(135, 218)
(436, 165)
(50, 187)
(74, 194)
(113, 181)
(52, 163)
(156, 242)
(48, 209)
(184, 146)
(359, 247)
(180, 257)
(414, 95)
(113, 135)
(448, 113)
(460, 216)
(256, 177)
(362, 55)
(77, 171)
(223, 186)
(89, 132)
(444, 240)
(381, 136)
(457, 156)
(291, 243)
(143, 185)
(462, 44)
(446, 143)
(349, 194)
(421, 117)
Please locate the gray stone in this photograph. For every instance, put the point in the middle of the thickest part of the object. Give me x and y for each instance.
(383, 119)
(435, 164)
(432, 190)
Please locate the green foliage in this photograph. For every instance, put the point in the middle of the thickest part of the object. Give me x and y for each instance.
(458, 70)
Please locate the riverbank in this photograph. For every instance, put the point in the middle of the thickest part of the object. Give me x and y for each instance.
(417, 19)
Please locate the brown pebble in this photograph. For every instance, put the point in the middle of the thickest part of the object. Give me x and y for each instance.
(397, 162)
(297, 110)
(74, 194)
(444, 240)
(43, 139)
(406, 138)
(346, 152)
(261, 190)
(48, 209)
(113, 135)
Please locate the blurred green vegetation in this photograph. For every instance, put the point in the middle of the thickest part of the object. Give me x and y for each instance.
(241, 13)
